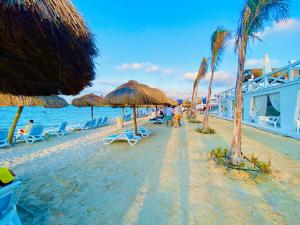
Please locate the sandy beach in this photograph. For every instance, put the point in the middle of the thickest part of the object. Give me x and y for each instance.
(165, 179)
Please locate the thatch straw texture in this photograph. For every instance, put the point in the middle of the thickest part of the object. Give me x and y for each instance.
(88, 100)
(45, 48)
(46, 101)
(186, 103)
(172, 102)
(134, 93)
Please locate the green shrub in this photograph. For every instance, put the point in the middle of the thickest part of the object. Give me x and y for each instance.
(206, 131)
(194, 121)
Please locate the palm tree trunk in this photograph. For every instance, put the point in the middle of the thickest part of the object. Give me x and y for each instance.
(14, 124)
(194, 103)
(205, 120)
(236, 154)
(134, 119)
(92, 112)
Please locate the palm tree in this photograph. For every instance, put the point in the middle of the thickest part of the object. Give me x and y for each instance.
(201, 73)
(218, 44)
(252, 21)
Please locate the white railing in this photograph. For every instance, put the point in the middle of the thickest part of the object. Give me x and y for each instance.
(267, 80)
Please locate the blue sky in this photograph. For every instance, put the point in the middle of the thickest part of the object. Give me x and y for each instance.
(161, 43)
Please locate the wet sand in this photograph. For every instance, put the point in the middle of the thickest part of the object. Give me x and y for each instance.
(165, 179)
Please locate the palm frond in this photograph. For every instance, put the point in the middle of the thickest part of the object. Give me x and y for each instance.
(255, 15)
(219, 39)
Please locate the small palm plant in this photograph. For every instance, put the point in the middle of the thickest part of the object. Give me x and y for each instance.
(201, 74)
(252, 21)
(218, 43)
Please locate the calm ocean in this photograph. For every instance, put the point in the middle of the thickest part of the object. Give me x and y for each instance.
(53, 117)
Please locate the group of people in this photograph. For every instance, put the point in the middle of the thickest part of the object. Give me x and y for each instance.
(171, 115)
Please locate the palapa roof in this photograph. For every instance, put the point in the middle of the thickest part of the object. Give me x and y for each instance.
(88, 100)
(186, 103)
(46, 101)
(45, 48)
(134, 93)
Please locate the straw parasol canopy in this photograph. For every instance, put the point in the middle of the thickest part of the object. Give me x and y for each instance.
(46, 101)
(45, 48)
(186, 103)
(21, 101)
(172, 102)
(135, 94)
(89, 100)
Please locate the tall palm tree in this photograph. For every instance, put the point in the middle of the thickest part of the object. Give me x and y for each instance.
(218, 44)
(254, 16)
(201, 73)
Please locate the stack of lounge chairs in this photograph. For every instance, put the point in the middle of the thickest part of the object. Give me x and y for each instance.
(94, 123)
(127, 135)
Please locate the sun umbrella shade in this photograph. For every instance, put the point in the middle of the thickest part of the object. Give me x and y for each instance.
(134, 93)
(88, 100)
(186, 103)
(46, 101)
(45, 48)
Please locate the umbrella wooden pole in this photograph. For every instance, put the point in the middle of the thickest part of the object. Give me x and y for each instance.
(92, 112)
(134, 119)
(14, 124)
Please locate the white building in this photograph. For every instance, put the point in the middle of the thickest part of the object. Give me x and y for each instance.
(270, 101)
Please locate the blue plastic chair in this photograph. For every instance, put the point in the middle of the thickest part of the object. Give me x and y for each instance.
(9, 197)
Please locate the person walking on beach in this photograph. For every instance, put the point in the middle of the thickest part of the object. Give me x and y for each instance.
(169, 115)
(177, 115)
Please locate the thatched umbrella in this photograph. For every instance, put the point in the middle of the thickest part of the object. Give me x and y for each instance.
(186, 103)
(135, 94)
(89, 100)
(21, 101)
(45, 48)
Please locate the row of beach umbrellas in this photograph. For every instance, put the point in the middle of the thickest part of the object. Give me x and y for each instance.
(131, 94)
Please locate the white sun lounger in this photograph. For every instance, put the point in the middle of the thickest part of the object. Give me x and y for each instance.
(61, 131)
(105, 122)
(141, 130)
(130, 138)
(34, 134)
(99, 122)
(84, 126)
(3, 138)
(9, 197)
(93, 123)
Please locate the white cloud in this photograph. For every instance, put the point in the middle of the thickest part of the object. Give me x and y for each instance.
(284, 26)
(189, 76)
(152, 69)
(168, 71)
(112, 83)
(146, 67)
(258, 63)
(222, 79)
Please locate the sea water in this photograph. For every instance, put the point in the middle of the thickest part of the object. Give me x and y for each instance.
(50, 117)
